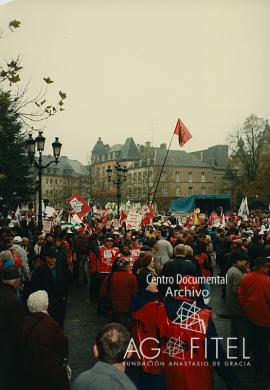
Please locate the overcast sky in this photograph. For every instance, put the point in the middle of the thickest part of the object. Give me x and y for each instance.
(132, 67)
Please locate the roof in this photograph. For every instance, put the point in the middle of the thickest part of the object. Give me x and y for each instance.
(129, 150)
(65, 166)
(178, 158)
(114, 148)
(99, 147)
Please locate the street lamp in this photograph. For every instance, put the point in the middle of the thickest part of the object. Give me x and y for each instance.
(39, 144)
(120, 175)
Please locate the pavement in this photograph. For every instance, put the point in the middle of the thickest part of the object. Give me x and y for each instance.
(82, 324)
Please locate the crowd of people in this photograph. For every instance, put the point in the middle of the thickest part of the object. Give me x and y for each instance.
(154, 286)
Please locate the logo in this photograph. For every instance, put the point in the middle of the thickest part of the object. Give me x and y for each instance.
(76, 205)
(187, 318)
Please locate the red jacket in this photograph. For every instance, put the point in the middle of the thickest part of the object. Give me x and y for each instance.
(182, 370)
(145, 331)
(204, 264)
(254, 297)
(122, 286)
(106, 258)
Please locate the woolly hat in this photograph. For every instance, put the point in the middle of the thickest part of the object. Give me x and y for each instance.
(9, 272)
(38, 301)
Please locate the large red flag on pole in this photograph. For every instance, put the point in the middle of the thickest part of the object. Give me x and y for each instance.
(183, 133)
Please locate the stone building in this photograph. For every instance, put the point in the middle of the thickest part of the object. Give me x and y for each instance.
(60, 181)
(203, 172)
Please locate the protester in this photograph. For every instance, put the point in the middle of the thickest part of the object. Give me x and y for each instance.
(110, 349)
(107, 255)
(235, 275)
(45, 348)
(11, 318)
(119, 286)
(254, 297)
(18, 250)
(144, 306)
(53, 278)
(164, 252)
(181, 334)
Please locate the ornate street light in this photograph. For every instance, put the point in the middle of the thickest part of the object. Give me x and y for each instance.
(39, 144)
(120, 175)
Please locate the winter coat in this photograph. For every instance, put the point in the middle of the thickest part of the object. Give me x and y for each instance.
(45, 348)
(165, 252)
(57, 288)
(122, 286)
(234, 279)
(254, 297)
(144, 308)
(11, 318)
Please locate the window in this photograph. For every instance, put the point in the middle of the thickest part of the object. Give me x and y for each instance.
(203, 177)
(164, 190)
(55, 181)
(177, 176)
(214, 179)
(203, 190)
(190, 190)
(190, 177)
(47, 181)
(178, 191)
(50, 181)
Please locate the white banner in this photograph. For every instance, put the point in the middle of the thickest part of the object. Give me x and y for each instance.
(133, 221)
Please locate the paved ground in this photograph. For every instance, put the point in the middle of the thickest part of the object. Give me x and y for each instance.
(82, 323)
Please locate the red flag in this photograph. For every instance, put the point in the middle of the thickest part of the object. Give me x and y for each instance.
(104, 218)
(79, 205)
(123, 217)
(183, 134)
(148, 215)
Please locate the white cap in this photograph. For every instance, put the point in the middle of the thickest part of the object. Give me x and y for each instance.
(17, 239)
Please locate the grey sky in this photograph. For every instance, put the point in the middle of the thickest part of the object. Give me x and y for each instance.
(131, 68)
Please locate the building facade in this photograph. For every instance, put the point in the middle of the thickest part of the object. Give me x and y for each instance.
(184, 174)
(62, 180)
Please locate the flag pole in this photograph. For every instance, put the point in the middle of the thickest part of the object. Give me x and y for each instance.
(154, 196)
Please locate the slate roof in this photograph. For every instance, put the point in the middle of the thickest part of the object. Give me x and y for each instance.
(129, 150)
(215, 156)
(178, 158)
(99, 147)
(64, 167)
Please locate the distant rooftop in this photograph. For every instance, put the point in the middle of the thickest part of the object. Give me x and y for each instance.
(65, 166)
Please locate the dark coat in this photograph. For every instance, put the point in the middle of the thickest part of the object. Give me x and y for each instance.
(11, 317)
(45, 348)
(43, 279)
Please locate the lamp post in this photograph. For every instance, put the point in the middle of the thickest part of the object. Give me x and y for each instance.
(39, 144)
(120, 176)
